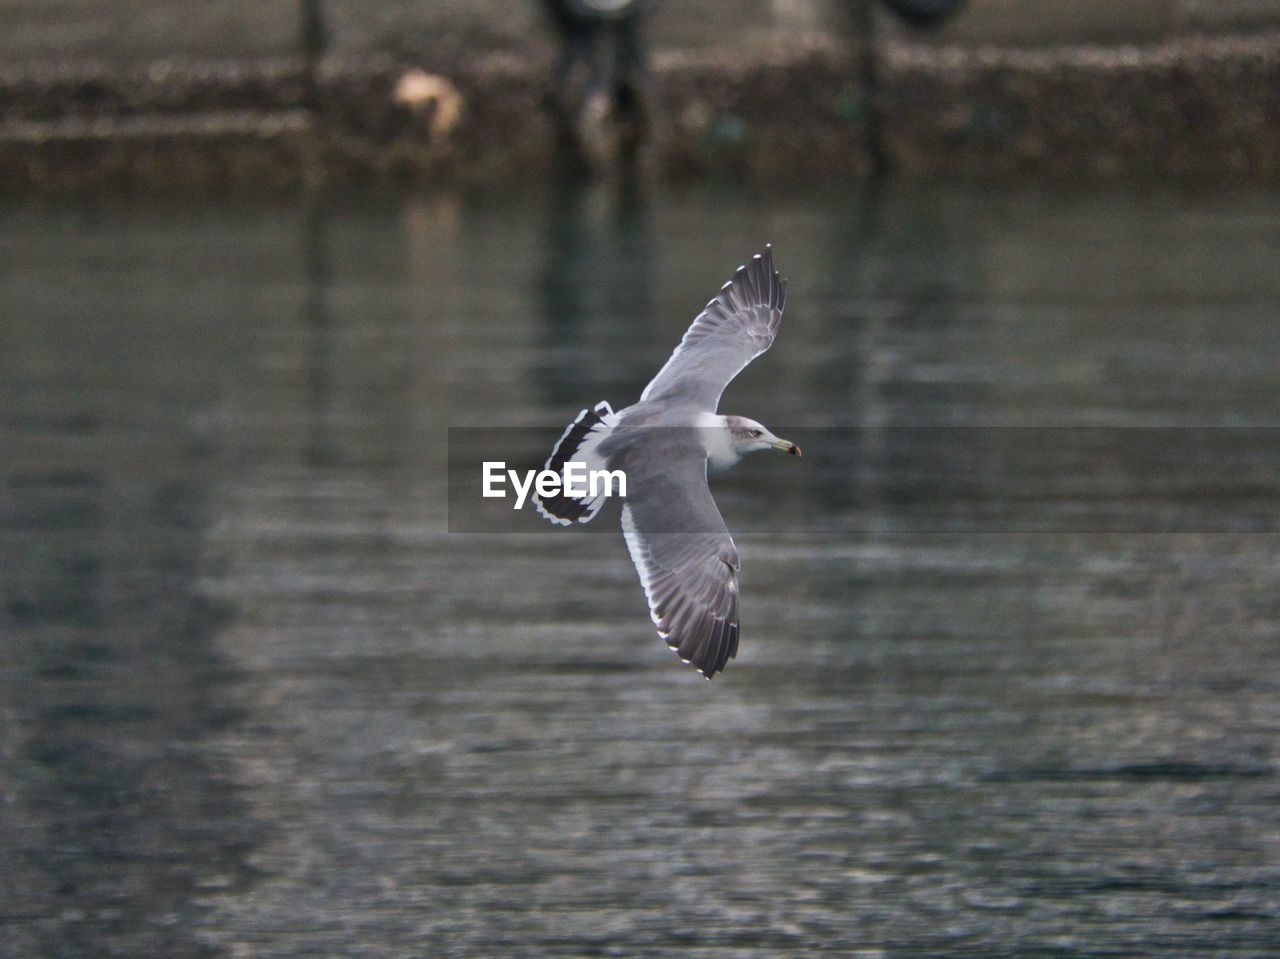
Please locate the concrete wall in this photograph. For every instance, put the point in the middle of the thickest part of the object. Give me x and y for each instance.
(127, 32)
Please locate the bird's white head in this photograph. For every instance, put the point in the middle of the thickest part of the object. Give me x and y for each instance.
(748, 436)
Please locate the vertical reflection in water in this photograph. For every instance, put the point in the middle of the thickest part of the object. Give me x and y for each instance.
(846, 374)
(902, 352)
(336, 543)
(429, 231)
(895, 315)
(318, 450)
(596, 287)
(116, 812)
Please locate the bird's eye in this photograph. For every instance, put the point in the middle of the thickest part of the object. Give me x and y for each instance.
(755, 432)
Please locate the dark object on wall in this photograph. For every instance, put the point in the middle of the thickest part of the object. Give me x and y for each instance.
(593, 10)
(601, 87)
(924, 13)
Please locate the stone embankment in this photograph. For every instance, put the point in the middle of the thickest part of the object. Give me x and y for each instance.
(1195, 108)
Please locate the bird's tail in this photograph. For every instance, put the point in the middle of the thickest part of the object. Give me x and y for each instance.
(578, 444)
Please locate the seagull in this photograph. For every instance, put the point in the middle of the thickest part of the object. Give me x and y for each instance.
(665, 445)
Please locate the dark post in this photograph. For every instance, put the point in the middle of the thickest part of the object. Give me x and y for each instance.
(869, 77)
(916, 13)
(314, 39)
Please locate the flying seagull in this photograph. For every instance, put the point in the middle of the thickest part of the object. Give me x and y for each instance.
(666, 444)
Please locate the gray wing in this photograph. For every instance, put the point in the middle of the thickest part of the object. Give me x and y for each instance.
(737, 325)
(686, 559)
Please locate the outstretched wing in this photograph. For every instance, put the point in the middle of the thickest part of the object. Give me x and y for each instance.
(687, 562)
(737, 325)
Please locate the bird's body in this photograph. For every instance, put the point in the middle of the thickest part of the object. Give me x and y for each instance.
(665, 444)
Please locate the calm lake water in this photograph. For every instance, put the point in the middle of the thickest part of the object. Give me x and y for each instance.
(258, 700)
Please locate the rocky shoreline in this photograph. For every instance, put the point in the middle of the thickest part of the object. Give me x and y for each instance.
(1204, 108)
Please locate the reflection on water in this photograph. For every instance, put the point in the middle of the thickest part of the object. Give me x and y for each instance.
(258, 701)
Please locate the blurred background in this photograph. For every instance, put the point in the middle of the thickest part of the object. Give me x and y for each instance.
(274, 94)
(140, 31)
(1009, 682)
